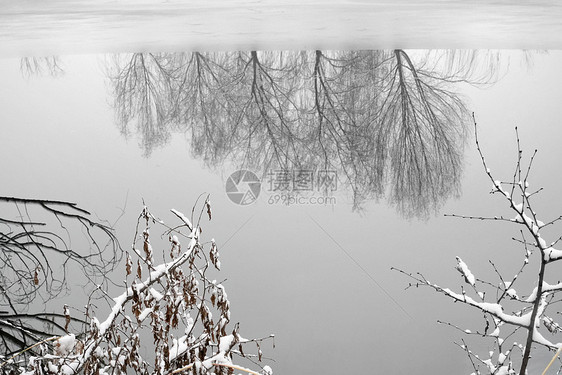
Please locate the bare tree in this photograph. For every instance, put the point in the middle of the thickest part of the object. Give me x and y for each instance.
(144, 95)
(202, 97)
(35, 66)
(421, 131)
(507, 313)
(391, 126)
(37, 251)
(268, 113)
(344, 102)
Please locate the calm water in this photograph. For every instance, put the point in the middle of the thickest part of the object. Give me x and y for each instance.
(38, 28)
(285, 275)
(328, 315)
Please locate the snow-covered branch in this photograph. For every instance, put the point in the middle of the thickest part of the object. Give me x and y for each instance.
(531, 310)
(167, 313)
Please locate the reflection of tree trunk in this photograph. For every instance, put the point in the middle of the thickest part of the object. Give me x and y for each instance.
(348, 90)
(142, 94)
(371, 115)
(425, 150)
(31, 66)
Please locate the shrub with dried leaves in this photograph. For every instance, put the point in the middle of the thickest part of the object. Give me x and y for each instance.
(170, 318)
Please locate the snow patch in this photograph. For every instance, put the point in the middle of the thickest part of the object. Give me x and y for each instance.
(463, 269)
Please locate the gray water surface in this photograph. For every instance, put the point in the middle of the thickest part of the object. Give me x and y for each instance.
(285, 275)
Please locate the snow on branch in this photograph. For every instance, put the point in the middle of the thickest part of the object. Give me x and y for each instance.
(494, 309)
(170, 318)
(502, 320)
(463, 269)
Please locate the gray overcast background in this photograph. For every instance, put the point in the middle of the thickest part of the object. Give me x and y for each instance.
(285, 274)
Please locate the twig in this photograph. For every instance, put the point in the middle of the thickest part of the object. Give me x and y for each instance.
(31, 347)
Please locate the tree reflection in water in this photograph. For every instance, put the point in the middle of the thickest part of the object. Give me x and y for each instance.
(389, 123)
(36, 66)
